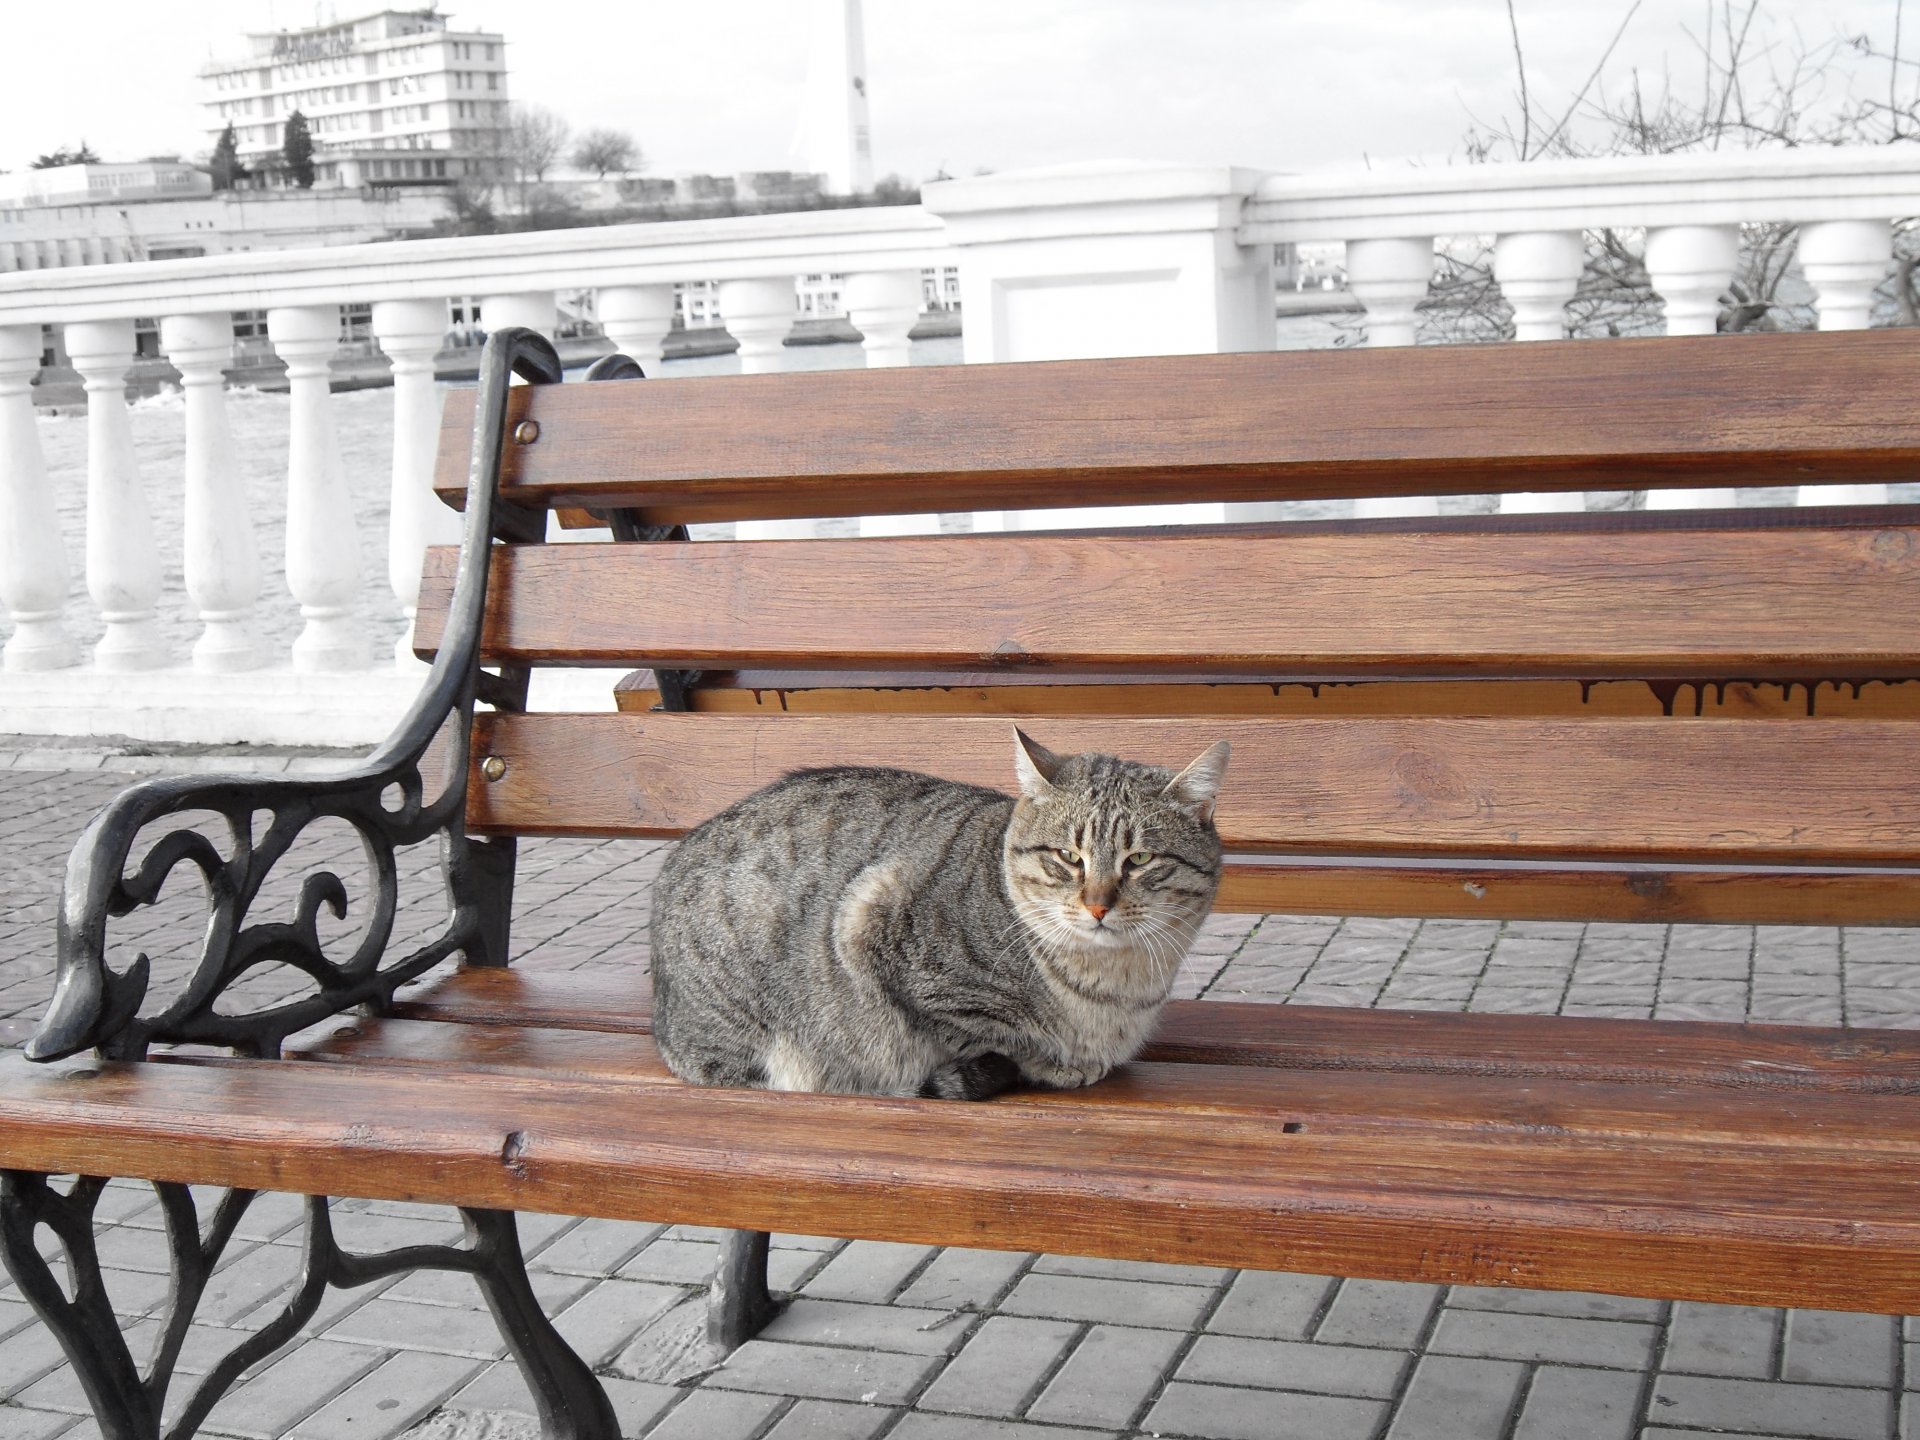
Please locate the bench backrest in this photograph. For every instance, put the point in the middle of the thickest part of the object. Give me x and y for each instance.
(1677, 715)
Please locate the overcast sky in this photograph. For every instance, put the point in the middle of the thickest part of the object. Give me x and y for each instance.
(979, 84)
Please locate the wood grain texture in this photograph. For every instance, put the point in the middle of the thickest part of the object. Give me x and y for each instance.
(1695, 1054)
(1761, 1219)
(1573, 415)
(1808, 604)
(1809, 792)
(833, 692)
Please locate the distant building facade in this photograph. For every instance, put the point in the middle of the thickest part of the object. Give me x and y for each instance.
(392, 97)
(98, 184)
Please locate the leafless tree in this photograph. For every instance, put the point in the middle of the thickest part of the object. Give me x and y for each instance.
(605, 150)
(1761, 84)
(536, 138)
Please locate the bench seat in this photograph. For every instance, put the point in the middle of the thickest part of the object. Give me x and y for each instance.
(1754, 1164)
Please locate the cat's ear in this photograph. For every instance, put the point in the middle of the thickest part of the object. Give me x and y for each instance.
(1195, 787)
(1034, 764)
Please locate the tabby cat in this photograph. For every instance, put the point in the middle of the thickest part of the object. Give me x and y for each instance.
(868, 931)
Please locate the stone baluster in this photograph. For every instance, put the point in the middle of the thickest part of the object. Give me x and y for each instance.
(1845, 261)
(1538, 271)
(533, 309)
(1690, 267)
(883, 306)
(222, 557)
(410, 332)
(1389, 278)
(759, 314)
(123, 562)
(33, 558)
(323, 542)
(637, 318)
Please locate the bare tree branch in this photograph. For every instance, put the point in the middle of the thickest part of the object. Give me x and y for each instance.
(1520, 64)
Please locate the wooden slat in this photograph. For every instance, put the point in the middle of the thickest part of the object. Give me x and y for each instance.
(1001, 693)
(1575, 415)
(1776, 1217)
(1226, 1062)
(1301, 1037)
(1813, 792)
(1805, 604)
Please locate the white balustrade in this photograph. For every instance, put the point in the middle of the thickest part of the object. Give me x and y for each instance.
(410, 332)
(884, 305)
(323, 541)
(123, 563)
(221, 555)
(33, 560)
(1690, 268)
(1068, 262)
(637, 319)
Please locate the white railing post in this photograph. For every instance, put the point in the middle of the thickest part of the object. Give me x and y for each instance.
(123, 563)
(759, 314)
(323, 542)
(636, 318)
(1845, 261)
(1690, 267)
(532, 308)
(883, 306)
(1538, 271)
(34, 577)
(410, 332)
(221, 555)
(1389, 278)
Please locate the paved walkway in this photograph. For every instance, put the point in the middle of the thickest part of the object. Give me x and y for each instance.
(914, 1343)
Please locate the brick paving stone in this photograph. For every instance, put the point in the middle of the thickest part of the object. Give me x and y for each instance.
(1609, 1344)
(388, 1400)
(870, 1270)
(827, 1420)
(594, 1247)
(603, 1320)
(876, 1327)
(19, 1424)
(1569, 1404)
(1108, 1377)
(1731, 1340)
(1552, 1302)
(1825, 1412)
(1002, 1363)
(717, 1415)
(1120, 1302)
(500, 1387)
(1100, 1269)
(1832, 1348)
(398, 1324)
(884, 1377)
(26, 1356)
(971, 1278)
(554, 1291)
(1388, 1313)
(1222, 1412)
(690, 1262)
(1454, 1398)
(277, 1398)
(1289, 1365)
(1270, 1304)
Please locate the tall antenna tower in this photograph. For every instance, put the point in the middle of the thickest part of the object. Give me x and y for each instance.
(839, 143)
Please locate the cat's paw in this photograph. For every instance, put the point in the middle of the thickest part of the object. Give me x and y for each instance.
(1056, 1076)
(976, 1078)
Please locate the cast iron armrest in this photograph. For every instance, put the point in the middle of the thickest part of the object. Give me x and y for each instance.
(95, 1006)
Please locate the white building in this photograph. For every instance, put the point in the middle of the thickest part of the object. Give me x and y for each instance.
(392, 97)
(98, 184)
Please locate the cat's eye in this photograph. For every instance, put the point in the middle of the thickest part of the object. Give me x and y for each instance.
(1139, 859)
(1069, 857)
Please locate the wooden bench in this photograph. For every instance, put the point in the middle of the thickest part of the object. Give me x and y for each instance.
(1679, 716)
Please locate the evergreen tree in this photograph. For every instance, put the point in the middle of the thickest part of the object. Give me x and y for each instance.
(298, 151)
(225, 165)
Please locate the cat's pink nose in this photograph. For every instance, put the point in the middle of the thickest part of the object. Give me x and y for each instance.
(1099, 912)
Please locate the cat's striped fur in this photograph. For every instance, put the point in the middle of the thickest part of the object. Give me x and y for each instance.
(884, 932)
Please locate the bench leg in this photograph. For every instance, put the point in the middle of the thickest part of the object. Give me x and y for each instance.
(129, 1404)
(573, 1405)
(738, 1300)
